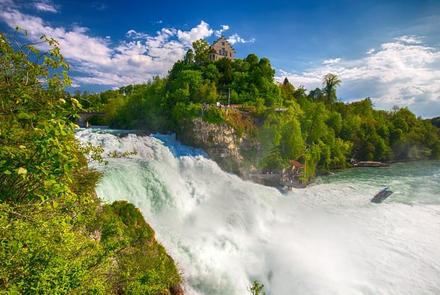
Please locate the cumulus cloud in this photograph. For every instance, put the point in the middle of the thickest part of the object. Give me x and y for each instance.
(403, 72)
(75, 43)
(96, 60)
(235, 38)
(201, 31)
(46, 6)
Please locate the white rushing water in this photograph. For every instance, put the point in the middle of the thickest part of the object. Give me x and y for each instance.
(326, 239)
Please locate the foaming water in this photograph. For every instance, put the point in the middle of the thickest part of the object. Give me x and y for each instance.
(325, 239)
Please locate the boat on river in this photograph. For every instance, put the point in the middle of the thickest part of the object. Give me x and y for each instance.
(382, 195)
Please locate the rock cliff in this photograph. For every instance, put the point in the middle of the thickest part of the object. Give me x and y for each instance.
(233, 152)
(220, 141)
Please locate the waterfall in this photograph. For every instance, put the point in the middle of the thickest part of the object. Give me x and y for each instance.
(224, 232)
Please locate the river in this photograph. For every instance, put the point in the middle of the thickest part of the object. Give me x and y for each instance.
(326, 239)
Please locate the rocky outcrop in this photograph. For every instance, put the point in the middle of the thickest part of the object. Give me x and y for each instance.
(283, 180)
(220, 141)
(231, 152)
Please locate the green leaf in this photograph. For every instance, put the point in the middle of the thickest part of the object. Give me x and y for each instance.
(21, 171)
(24, 116)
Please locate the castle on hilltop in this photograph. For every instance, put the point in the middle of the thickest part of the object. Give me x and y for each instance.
(221, 48)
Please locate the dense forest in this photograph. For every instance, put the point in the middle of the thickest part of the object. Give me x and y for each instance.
(313, 127)
(55, 235)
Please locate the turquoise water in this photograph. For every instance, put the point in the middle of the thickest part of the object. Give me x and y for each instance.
(411, 182)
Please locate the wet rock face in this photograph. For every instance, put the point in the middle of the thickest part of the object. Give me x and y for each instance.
(219, 141)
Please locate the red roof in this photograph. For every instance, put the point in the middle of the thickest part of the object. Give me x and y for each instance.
(296, 164)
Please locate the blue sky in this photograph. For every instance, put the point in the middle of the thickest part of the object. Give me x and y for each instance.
(386, 50)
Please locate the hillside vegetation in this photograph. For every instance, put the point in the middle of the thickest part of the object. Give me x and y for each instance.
(55, 235)
(290, 123)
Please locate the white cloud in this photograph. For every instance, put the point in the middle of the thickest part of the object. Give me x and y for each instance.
(223, 29)
(409, 39)
(135, 60)
(136, 35)
(403, 72)
(371, 50)
(75, 43)
(235, 38)
(201, 31)
(331, 61)
(46, 6)
(40, 5)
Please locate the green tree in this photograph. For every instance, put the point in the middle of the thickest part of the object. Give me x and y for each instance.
(207, 92)
(33, 121)
(189, 57)
(201, 51)
(287, 92)
(292, 143)
(330, 83)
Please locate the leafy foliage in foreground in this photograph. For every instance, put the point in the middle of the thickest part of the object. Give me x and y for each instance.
(312, 127)
(257, 288)
(143, 266)
(55, 236)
